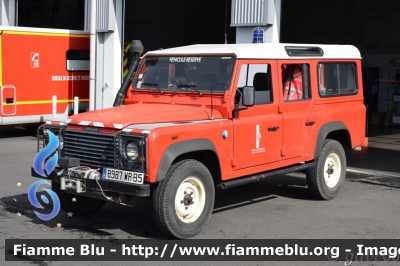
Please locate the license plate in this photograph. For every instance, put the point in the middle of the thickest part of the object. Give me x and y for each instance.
(123, 176)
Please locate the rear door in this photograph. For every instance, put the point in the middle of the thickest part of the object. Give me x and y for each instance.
(298, 114)
(258, 129)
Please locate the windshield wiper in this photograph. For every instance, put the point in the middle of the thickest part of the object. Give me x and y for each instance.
(193, 87)
(155, 85)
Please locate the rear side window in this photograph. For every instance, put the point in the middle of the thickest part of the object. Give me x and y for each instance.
(296, 82)
(336, 79)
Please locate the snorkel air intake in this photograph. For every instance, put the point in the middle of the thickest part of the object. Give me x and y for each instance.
(136, 48)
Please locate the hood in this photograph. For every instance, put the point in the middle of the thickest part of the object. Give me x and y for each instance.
(122, 116)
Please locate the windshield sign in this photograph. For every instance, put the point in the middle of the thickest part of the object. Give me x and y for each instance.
(186, 73)
(185, 59)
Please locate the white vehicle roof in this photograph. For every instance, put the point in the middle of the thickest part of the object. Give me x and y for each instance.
(266, 51)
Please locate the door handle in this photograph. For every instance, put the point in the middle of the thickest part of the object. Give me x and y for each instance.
(275, 128)
(310, 123)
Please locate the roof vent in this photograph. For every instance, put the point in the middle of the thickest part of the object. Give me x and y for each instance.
(303, 51)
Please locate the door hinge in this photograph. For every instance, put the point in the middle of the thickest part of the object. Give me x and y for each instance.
(233, 162)
(283, 152)
(280, 109)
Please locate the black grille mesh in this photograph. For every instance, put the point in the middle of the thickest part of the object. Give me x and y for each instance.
(104, 150)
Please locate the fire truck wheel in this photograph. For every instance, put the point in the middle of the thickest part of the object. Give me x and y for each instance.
(78, 205)
(184, 200)
(326, 177)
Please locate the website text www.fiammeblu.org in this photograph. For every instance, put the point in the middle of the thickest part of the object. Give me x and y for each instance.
(204, 250)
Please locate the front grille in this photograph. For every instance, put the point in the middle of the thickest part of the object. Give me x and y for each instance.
(92, 149)
(103, 150)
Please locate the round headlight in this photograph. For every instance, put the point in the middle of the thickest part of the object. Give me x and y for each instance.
(132, 151)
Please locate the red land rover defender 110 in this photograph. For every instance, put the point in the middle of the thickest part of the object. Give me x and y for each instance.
(202, 116)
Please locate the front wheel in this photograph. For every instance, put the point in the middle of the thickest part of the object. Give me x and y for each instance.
(326, 177)
(184, 200)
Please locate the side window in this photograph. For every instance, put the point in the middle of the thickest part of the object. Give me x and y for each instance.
(258, 76)
(335, 79)
(78, 60)
(296, 82)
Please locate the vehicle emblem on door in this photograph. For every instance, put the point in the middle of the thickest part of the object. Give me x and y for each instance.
(258, 136)
(258, 139)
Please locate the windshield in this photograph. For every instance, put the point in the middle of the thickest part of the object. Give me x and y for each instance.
(185, 73)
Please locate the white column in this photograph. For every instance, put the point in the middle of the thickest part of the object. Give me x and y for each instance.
(92, 82)
(7, 13)
(271, 33)
(109, 58)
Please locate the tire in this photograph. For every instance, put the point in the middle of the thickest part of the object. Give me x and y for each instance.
(184, 200)
(326, 177)
(81, 207)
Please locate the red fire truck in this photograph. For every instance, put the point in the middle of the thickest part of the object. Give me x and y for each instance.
(36, 64)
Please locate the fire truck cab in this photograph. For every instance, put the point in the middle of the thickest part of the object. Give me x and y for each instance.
(202, 116)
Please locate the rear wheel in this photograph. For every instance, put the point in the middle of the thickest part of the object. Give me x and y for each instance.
(326, 177)
(184, 200)
(76, 204)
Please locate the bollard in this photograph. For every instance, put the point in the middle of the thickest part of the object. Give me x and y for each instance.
(54, 108)
(76, 105)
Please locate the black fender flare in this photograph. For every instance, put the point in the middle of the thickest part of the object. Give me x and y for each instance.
(179, 148)
(324, 131)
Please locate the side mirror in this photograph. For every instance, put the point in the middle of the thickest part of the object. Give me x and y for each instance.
(248, 96)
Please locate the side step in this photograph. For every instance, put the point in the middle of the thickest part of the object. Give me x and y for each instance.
(261, 176)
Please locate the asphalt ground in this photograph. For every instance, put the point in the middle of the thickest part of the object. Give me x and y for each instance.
(280, 207)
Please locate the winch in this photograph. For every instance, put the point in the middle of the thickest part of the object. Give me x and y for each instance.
(81, 172)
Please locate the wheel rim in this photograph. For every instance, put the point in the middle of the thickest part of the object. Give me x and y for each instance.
(190, 199)
(332, 170)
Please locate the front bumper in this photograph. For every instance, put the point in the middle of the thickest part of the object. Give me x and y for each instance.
(107, 186)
